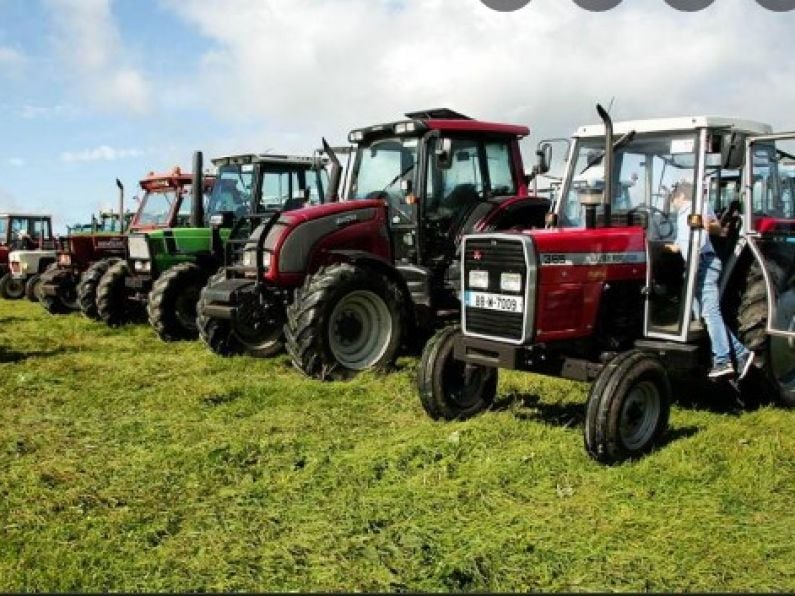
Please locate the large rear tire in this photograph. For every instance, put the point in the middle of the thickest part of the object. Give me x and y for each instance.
(172, 302)
(450, 389)
(774, 355)
(114, 304)
(87, 288)
(628, 408)
(65, 299)
(344, 320)
(31, 286)
(10, 288)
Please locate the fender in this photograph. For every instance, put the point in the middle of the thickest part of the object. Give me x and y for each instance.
(386, 268)
(525, 212)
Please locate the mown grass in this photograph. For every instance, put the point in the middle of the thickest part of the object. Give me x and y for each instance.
(130, 464)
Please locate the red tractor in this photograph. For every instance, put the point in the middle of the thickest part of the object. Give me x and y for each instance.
(347, 284)
(28, 233)
(103, 240)
(597, 297)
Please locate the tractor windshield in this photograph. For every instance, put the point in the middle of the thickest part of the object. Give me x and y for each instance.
(3, 229)
(156, 207)
(232, 190)
(381, 166)
(646, 169)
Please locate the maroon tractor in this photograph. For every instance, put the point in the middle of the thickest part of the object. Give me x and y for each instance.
(346, 285)
(600, 296)
(104, 240)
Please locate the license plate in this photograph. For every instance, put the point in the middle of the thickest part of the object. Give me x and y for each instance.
(501, 302)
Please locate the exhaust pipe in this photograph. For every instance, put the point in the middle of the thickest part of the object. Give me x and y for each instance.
(334, 176)
(121, 204)
(197, 207)
(607, 195)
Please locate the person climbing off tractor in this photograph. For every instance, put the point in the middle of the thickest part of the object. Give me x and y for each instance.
(706, 304)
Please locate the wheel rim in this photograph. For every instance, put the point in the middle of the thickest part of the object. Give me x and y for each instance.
(185, 307)
(463, 383)
(257, 326)
(15, 288)
(360, 329)
(640, 415)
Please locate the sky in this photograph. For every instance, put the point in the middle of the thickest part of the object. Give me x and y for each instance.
(94, 90)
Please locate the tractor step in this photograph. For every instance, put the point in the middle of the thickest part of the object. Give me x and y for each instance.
(225, 291)
(675, 355)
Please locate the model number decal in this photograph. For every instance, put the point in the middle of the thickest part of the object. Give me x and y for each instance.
(346, 220)
(592, 258)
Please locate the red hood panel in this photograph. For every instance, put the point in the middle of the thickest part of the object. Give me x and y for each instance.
(309, 213)
(601, 240)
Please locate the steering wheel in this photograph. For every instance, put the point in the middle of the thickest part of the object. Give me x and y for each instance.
(664, 228)
(394, 201)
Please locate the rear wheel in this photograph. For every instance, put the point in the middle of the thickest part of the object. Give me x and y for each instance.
(628, 408)
(114, 304)
(345, 319)
(65, 299)
(30, 287)
(775, 355)
(172, 302)
(87, 288)
(450, 389)
(10, 288)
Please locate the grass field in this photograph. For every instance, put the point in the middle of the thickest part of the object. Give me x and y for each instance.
(130, 464)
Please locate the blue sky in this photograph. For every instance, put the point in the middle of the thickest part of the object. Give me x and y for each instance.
(98, 89)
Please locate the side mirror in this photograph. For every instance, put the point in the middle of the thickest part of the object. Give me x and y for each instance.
(732, 150)
(443, 154)
(543, 158)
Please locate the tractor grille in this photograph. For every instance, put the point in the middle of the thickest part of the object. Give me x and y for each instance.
(498, 255)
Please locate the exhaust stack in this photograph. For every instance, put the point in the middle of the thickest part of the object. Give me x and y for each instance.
(197, 207)
(333, 194)
(607, 195)
(121, 204)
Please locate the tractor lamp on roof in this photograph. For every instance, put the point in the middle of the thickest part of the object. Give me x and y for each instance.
(356, 136)
(405, 127)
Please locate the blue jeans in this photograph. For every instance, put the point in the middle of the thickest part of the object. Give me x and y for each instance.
(706, 305)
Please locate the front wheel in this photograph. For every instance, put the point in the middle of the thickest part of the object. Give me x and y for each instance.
(344, 320)
(87, 288)
(10, 288)
(450, 389)
(628, 408)
(172, 302)
(31, 286)
(114, 304)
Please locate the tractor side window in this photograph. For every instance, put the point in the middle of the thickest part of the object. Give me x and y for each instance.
(19, 225)
(3, 229)
(41, 229)
(498, 157)
(453, 192)
(231, 190)
(773, 167)
(185, 205)
(277, 188)
(156, 207)
(317, 183)
(632, 182)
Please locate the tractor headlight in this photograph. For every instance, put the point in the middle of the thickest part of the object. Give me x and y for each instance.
(479, 279)
(24, 266)
(511, 282)
(138, 247)
(250, 258)
(266, 260)
(142, 266)
(65, 260)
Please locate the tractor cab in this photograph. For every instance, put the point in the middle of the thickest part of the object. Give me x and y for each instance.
(650, 158)
(167, 201)
(440, 174)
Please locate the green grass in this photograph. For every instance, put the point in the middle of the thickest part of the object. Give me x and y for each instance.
(130, 464)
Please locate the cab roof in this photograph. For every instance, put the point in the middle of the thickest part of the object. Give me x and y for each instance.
(443, 120)
(37, 215)
(681, 123)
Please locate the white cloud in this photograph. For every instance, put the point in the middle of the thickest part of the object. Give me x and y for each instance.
(11, 60)
(102, 153)
(329, 65)
(89, 41)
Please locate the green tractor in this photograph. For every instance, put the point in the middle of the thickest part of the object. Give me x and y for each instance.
(167, 268)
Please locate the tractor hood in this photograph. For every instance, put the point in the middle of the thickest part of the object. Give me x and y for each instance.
(298, 216)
